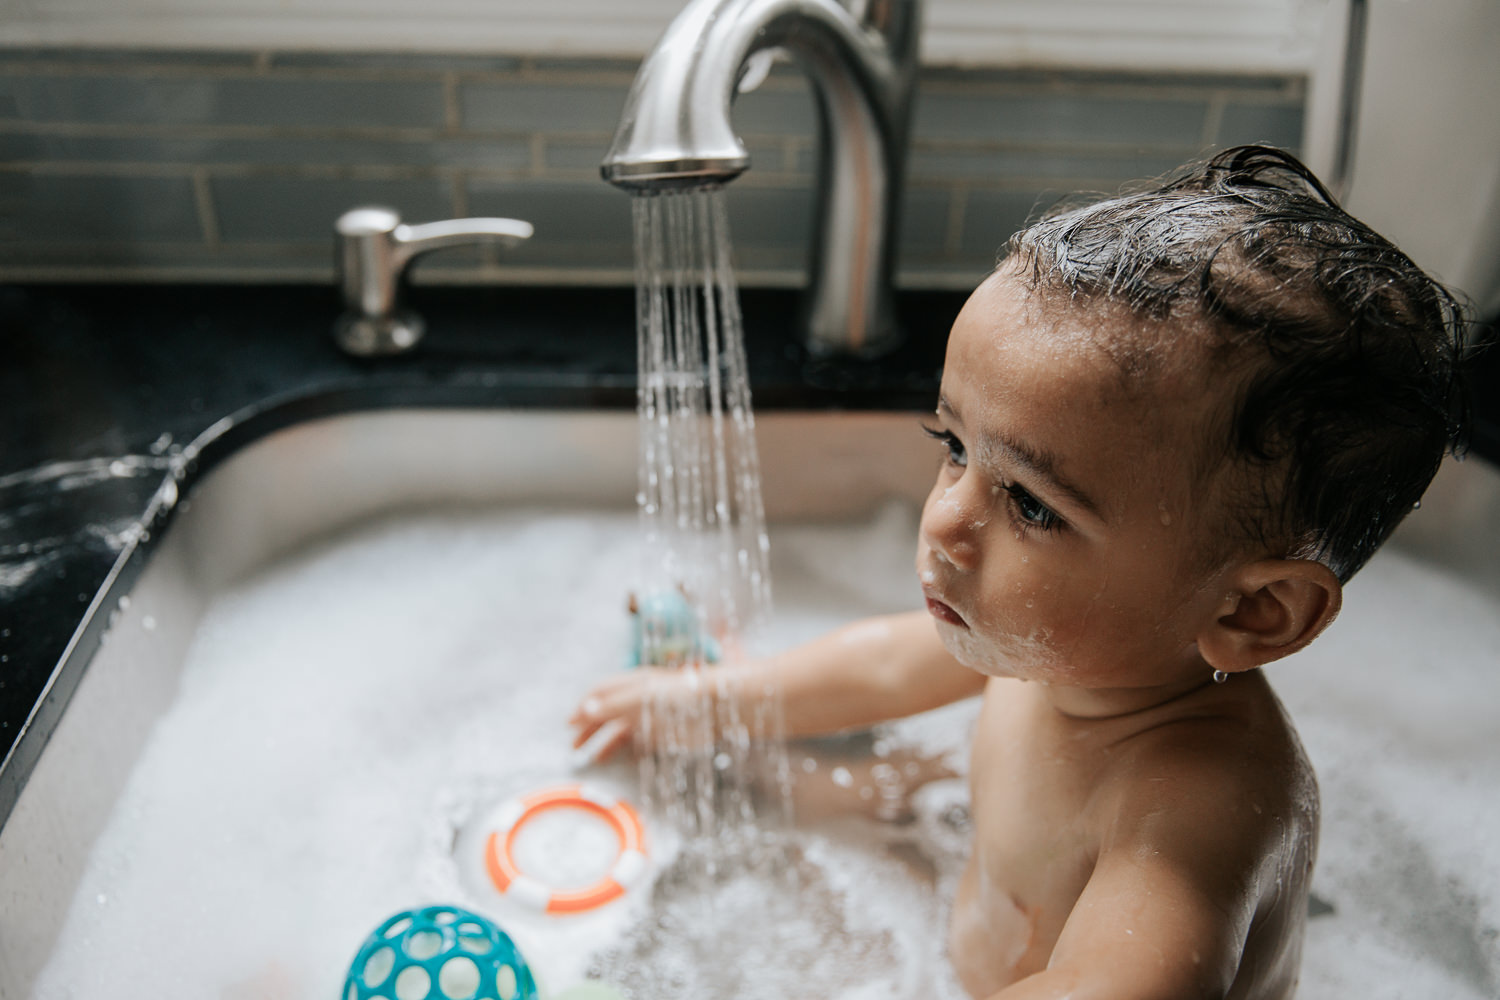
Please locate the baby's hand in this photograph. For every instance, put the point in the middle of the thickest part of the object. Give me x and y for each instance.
(615, 704)
(610, 714)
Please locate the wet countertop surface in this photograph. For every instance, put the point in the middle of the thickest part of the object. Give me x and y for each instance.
(116, 399)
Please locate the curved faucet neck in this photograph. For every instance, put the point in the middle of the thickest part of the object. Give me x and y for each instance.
(675, 133)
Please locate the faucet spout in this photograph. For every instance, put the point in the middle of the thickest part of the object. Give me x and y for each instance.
(675, 133)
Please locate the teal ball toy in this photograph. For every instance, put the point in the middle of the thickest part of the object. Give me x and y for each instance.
(442, 953)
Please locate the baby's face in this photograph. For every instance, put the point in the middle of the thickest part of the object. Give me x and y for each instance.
(1065, 539)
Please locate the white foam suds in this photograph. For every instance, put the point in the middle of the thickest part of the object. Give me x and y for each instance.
(342, 715)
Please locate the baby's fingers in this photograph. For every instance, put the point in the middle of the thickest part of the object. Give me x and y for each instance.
(590, 712)
(602, 743)
(613, 736)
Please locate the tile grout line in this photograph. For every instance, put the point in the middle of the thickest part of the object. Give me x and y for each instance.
(958, 204)
(452, 106)
(1213, 119)
(539, 155)
(458, 188)
(208, 216)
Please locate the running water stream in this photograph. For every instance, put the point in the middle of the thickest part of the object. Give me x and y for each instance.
(715, 764)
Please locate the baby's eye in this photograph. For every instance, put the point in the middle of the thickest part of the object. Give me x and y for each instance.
(956, 453)
(1031, 510)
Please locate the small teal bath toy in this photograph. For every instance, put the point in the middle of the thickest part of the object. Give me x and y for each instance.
(665, 632)
(439, 951)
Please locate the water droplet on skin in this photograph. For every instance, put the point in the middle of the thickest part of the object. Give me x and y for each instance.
(842, 777)
(148, 623)
(809, 765)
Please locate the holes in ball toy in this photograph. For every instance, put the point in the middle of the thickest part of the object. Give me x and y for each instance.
(459, 978)
(505, 983)
(378, 966)
(444, 918)
(398, 927)
(472, 939)
(413, 983)
(424, 944)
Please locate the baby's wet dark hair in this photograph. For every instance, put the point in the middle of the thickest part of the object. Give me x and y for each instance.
(1352, 391)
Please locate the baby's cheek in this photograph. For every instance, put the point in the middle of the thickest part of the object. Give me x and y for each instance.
(1015, 636)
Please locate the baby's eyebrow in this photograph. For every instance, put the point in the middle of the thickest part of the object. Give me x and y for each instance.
(1041, 463)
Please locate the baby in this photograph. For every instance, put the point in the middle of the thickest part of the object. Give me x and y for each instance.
(1172, 424)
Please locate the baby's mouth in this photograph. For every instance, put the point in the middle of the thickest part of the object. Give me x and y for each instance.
(943, 613)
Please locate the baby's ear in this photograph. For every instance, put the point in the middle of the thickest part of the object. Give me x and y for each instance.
(1275, 607)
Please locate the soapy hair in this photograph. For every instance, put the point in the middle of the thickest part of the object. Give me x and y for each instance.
(1350, 390)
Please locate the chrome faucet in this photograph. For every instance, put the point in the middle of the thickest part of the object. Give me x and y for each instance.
(862, 60)
(374, 248)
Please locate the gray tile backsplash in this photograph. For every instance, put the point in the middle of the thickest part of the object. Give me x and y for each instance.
(289, 207)
(52, 209)
(139, 165)
(548, 106)
(181, 99)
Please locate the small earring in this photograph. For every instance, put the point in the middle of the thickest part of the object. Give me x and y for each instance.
(1220, 677)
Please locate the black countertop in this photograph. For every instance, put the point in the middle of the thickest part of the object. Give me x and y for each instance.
(116, 399)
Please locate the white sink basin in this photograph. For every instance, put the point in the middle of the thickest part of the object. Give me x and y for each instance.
(1396, 703)
(478, 479)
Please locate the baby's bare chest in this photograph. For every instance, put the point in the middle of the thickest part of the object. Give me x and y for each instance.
(1032, 790)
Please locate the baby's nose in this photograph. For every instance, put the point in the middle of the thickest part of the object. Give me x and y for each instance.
(948, 529)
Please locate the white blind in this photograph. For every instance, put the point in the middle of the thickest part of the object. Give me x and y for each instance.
(1227, 35)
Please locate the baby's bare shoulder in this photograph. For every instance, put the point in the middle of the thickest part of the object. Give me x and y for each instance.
(1210, 774)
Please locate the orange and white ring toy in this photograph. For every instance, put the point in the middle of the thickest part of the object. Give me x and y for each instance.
(510, 817)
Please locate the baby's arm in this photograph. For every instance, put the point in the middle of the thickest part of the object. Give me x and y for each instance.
(868, 672)
(1139, 932)
(1188, 862)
